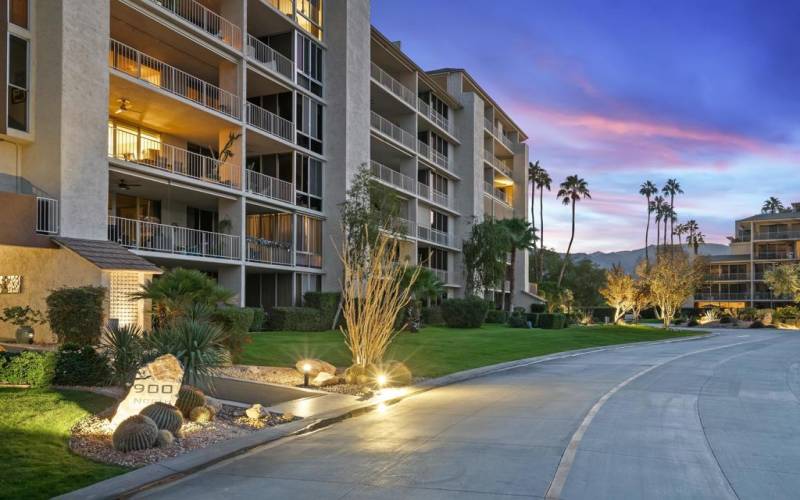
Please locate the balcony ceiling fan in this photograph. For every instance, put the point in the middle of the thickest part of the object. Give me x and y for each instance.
(126, 106)
(124, 186)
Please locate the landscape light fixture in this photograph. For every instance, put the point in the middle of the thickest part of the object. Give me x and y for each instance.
(381, 380)
(306, 369)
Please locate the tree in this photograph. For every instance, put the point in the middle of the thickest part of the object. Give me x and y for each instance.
(657, 207)
(426, 287)
(671, 188)
(647, 189)
(679, 231)
(521, 236)
(572, 190)
(619, 292)
(534, 172)
(670, 281)
(772, 205)
(484, 253)
(583, 278)
(641, 292)
(543, 180)
(668, 215)
(784, 280)
(697, 239)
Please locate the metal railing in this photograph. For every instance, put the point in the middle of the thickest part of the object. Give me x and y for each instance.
(155, 237)
(775, 255)
(509, 142)
(308, 259)
(394, 86)
(269, 252)
(778, 235)
(434, 116)
(496, 193)
(488, 125)
(392, 131)
(497, 163)
(771, 296)
(427, 233)
(269, 187)
(722, 296)
(205, 19)
(433, 195)
(135, 63)
(128, 146)
(440, 274)
(269, 58)
(270, 122)
(432, 155)
(728, 277)
(47, 215)
(393, 177)
(404, 226)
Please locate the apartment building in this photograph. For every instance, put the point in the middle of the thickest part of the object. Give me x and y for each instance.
(222, 135)
(761, 242)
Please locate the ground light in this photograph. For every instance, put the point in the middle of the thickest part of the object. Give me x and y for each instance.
(306, 369)
(381, 379)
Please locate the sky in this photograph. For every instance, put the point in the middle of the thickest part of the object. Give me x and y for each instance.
(706, 92)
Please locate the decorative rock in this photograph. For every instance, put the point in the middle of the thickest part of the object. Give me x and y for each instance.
(254, 412)
(316, 367)
(164, 439)
(398, 374)
(324, 379)
(135, 433)
(201, 415)
(288, 416)
(157, 382)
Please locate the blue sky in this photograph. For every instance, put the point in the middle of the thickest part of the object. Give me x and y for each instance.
(619, 92)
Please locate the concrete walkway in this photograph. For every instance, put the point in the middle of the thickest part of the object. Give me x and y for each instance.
(710, 418)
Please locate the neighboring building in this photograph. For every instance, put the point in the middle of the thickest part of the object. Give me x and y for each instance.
(761, 242)
(222, 135)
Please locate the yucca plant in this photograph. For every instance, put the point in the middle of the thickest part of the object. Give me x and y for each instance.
(197, 344)
(124, 345)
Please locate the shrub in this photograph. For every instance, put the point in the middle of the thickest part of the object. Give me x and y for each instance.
(124, 347)
(552, 321)
(259, 319)
(725, 320)
(518, 320)
(76, 314)
(432, 315)
(538, 308)
(199, 346)
(81, 365)
(469, 312)
(786, 314)
(748, 314)
(294, 319)
(28, 368)
(496, 316)
(327, 303)
(757, 324)
(235, 323)
(692, 322)
(533, 319)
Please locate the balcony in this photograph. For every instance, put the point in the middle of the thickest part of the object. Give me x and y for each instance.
(269, 252)
(435, 117)
(47, 216)
(433, 195)
(392, 131)
(728, 277)
(772, 296)
(498, 133)
(427, 233)
(270, 123)
(497, 163)
(149, 70)
(432, 155)
(779, 255)
(496, 193)
(778, 235)
(308, 259)
(176, 240)
(204, 19)
(402, 92)
(269, 187)
(722, 296)
(269, 59)
(440, 274)
(392, 177)
(405, 227)
(131, 147)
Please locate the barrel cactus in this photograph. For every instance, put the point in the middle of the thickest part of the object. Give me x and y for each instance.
(356, 375)
(135, 433)
(164, 439)
(201, 415)
(189, 398)
(166, 417)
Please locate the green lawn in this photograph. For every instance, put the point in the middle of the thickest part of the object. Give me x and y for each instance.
(34, 434)
(437, 351)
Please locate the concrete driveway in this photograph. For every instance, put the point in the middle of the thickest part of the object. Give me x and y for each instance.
(710, 418)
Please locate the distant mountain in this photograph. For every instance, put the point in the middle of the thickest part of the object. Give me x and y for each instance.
(629, 258)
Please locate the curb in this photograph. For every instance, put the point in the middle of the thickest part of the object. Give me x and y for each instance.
(151, 476)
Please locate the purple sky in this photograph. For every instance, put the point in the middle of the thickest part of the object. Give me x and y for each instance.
(620, 92)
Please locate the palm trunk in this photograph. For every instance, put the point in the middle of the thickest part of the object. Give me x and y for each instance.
(671, 220)
(647, 234)
(511, 280)
(569, 247)
(541, 228)
(533, 223)
(658, 236)
(665, 232)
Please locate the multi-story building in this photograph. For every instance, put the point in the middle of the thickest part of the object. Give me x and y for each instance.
(761, 242)
(222, 135)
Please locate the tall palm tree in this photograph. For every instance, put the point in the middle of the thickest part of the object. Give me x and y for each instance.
(647, 189)
(522, 236)
(691, 228)
(670, 216)
(772, 205)
(571, 191)
(698, 239)
(671, 188)
(534, 171)
(543, 181)
(657, 207)
(679, 231)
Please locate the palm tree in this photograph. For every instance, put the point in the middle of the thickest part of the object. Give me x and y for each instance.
(534, 171)
(647, 190)
(698, 239)
(571, 191)
(522, 236)
(657, 207)
(425, 288)
(543, 180)
(671, 188)
(670, 216)
(691, 228)
(679, 231)
(772, 205)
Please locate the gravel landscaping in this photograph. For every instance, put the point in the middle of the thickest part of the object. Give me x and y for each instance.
(285, 376)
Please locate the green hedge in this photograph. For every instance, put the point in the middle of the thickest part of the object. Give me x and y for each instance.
(327, 303)
(235, 322)
(81, 365)
(33, 368)
(518, 320)
(496, 316)
(76, 314)
(259, 319)
(469, 312)
(551, 321)
(432, 315)
(294, 319)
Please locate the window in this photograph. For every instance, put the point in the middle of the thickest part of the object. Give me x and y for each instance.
(18, 83)
(309, 182)
(438, 221)
(131, 143)
(439, 183)
(309, 241)
(18, 13)
(203, 220)
(309, 16)
(309, 64)
(439, 106)
(309, 124)
(439, 145)
(307, 283)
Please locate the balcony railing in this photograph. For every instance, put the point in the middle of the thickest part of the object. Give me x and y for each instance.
(728, 277)
(47, 216)
(138, 65)
(308, 259)
(722, 296)
(780, 255)
(496, 193)
(440, 274)
(432, 155)
(427, 233)
(395, 87)
(205, 19)
(509, 142)
(269, 59)
(392, 131)
(269, 187)
(163, 238)
(403, 226)
(433, 195)
(393, 177)
(497, 163)
(128, 146)
(269, 252)
(270, 122)
(778, 235)
(435, 117)
(772, 296)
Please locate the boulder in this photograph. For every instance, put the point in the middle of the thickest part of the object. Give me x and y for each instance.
(288, 416)
(254, 412)
(156, 382)
(316, 366)
(325, 379)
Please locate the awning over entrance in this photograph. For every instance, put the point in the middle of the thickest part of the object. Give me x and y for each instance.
(107, 255)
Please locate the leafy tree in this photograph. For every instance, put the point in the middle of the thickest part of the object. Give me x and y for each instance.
(484, 254)
(521, 236)
(784, 280)
(177, 290)
(772, 205)
(571, 191)
(670, 281)
(648, 189)
(619, 292)
(583, 278)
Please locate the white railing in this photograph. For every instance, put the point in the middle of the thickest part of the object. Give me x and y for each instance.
(154, 237)
(138, 65)
(205, 19)
(434, 116)
(47, 216)
(432, 155)
(270, 187)
(506, 140)
(433, 194)
(393, 177)
(395, 87)
(404, 226)
(308, 259)
(269, 252)
(270, 122)
(497, 193)
(440, 274)
(134, 148)
(269, 59)
(497, 163)
(488, 125)
(392, 131)
(427, 233)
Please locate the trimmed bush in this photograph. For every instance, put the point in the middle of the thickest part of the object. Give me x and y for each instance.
(518, 320)
(692, 322)
(259, 319)
(748, 314)
(235, 323)
(432, 315)
(76, 314)
(533, 319)
(469, 312)
(757, 324)
(551, 321)
(725, 320)
(28, 368)
(327, 303)
(496, 316)
(294, 319)
(81, 365)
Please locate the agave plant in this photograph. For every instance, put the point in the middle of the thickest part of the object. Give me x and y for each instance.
(710, 316)
(123, 344)
(198, 345)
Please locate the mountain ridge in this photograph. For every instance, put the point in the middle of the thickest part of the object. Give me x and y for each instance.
(629, 258)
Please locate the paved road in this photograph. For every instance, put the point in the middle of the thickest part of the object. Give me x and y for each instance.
(710, 418)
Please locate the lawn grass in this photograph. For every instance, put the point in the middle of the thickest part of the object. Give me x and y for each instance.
(34, 436)
(437, 351)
